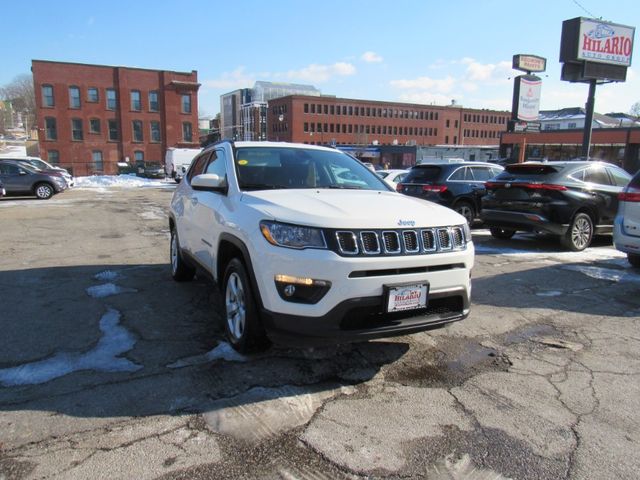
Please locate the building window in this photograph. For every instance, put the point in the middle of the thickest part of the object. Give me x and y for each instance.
(76, 129)
(136, 102)
(186, 103)
(155, 131)
(74, 97)
(98, 164)
(113, 130)
(137, 131)
(187, 134)
(138, 157)
(50, 129)
(94, 125)
(153, 102)
(47, 96)
(54, 157)
(306, 127)
(92, 95)
(111, 99)
(306, 108)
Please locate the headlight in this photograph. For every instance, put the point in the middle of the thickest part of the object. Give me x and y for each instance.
(292, 236)
(467, 232)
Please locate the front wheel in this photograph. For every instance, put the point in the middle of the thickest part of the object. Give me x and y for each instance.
(580, 233)
(502, 233)
(242, 322)
(44, 191)
(634, 259)
(180, 271)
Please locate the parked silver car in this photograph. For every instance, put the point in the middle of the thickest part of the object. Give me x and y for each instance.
(626, 231)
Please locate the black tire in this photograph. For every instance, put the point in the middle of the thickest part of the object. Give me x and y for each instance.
(502, 233)
(242, 322)
(634, 259)
(180, 271)
(43, 190)
(579, 234)
(466, 209)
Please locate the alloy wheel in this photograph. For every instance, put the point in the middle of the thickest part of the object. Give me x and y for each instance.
(235, 306)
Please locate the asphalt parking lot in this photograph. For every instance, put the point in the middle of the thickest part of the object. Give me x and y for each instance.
(109, 369)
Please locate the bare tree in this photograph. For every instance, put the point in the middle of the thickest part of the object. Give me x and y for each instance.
(20, 93)
(635, 110)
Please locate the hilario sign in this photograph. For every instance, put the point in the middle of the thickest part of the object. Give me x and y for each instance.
(591, 40)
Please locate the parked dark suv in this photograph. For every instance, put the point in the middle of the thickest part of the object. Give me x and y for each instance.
(572, 199)
(21, 179)
(457, 185)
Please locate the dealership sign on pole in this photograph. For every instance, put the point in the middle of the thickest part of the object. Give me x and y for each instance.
(593, 51)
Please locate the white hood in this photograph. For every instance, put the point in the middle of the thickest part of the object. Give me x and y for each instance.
(357, 209)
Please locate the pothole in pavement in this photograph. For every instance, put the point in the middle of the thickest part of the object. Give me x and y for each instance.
(452, 363)
(543, 335)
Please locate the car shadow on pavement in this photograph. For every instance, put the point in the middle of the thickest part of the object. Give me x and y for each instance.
(128, 341)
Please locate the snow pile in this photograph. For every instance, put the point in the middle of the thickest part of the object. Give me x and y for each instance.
(122, 181)
(223, 351)
(107, 290)
(107, 276)
(104, 357)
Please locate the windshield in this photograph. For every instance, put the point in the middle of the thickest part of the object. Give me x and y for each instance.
(261, 168)
(39, 164)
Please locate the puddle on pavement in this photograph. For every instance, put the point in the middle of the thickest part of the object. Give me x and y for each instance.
(455, 361)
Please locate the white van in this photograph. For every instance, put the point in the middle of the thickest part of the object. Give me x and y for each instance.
(177, 161)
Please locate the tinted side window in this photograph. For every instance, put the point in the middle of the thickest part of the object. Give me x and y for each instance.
(7, 169)
(217, 164)
(620, 177)
(197, 167)
(460, 174)
(597, 175)
(482, 174)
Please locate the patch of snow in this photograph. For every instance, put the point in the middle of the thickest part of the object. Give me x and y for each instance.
(550, 293)
(603, 273)
(223, 351)
(107, 290)
(104, 357)
(152, 215)
(102, 182)
(107, 276)
(590, 254)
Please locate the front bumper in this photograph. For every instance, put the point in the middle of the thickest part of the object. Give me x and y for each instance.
(527, 221)
(360, 319)
(353, 307)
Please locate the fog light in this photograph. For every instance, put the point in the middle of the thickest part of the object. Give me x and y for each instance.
(300, 289)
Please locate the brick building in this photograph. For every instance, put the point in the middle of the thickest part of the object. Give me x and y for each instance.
(341, 121)
(97, 118)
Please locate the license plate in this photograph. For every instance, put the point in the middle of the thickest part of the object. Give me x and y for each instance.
(409, 296)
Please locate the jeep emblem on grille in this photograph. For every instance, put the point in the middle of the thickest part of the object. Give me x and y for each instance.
(406, 223)
(507, 185)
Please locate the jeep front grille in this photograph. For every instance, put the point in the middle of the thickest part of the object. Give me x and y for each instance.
(397, 242)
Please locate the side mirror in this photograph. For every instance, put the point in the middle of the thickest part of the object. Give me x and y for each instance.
(209, 182)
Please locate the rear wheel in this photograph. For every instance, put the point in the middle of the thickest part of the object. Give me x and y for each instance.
(242, 322)
(634, 259)
(44, 191)
(502, 233)
(180, 271)
(580, 233)
(466, 210)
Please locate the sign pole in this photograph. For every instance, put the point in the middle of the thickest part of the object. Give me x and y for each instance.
(588, 119)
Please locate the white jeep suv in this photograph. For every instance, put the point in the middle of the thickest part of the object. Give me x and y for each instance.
(309, 246)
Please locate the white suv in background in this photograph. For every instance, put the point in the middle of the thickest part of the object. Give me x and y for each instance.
(306, 254)
(626, 230)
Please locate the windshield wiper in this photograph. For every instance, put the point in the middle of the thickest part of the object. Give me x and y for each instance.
(345, 187)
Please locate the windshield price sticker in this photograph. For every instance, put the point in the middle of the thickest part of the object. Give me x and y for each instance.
(407, 297)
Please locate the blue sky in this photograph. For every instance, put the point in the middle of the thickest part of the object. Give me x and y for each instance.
(412, 51)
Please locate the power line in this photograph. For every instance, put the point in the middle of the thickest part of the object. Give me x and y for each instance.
(587, 11)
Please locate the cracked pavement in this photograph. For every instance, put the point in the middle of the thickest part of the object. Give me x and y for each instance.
(542, 381)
